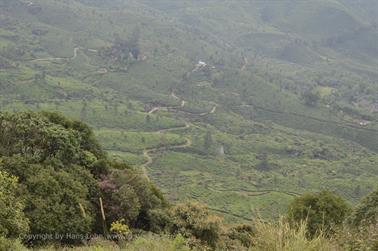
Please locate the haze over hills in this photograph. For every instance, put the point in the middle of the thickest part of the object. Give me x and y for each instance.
(240, 104)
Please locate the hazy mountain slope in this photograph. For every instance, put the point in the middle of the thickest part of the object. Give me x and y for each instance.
(236, 132)
(323, 36)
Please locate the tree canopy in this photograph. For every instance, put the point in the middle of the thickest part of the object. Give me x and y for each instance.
(12, 219)
(63, 173)
(322, 211)
(366, 212)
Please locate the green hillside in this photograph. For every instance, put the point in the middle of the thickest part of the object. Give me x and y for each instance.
(242, 105)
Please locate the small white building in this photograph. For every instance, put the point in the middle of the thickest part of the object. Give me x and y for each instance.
(201, 63)
(364, 123)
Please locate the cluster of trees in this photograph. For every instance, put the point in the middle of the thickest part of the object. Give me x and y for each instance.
(329, 215)
(122, 52)
(56, 181)
(326, 219)
(54, 175)
(311, 98)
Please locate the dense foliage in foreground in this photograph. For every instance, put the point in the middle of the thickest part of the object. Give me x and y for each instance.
(58, 187)
(54, 175)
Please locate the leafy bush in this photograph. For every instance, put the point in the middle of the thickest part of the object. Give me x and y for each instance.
(12, 218)
(129, 195)
(58, 203)
(158, 243)
(242, 233)
(194, 221)
(361, 229)
(363, 238)
(120, 229)
(88, 140)
(311, 98)
(322, 211)
(11, 245)
(34, 137)
(64, 172)
(159, 220)
(366, 212)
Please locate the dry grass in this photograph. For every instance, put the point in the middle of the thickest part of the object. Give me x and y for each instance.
(362, 239)
(281, 236)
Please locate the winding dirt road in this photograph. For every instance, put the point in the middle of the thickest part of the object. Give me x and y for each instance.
(183, 102)
(147, 152)
(155, 109)
(174, 95)
(213, 110)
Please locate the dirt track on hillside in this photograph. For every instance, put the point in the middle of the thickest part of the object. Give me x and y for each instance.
(147, 152)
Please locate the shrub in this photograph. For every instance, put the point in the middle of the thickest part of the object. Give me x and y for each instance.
(361, 229)
(63, 172)
(241, 233)
(129, 195)
(99, 244)
(58, 203)
(34, 137)
(363, 238)
(194, 221)
(11, 245)
(321, 211)
(160, 220)
(88, 142)
(12, 219)
(158, 243)
(311, 97)
(120, 229)
(366, 212)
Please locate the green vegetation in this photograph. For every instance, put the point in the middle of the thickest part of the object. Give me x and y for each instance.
(366, 212)
(58, 187)
(283, 237)
(195, 222)
(323, 212)
(244, 105)
(13, 222)
(67, 180)
(277, 109)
